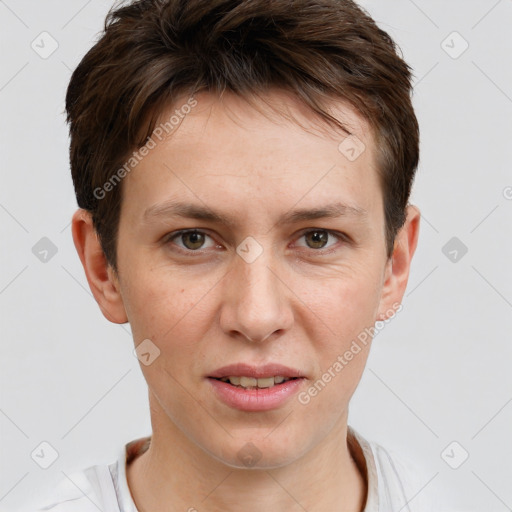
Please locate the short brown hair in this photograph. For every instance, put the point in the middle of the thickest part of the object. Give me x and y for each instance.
(152, 51)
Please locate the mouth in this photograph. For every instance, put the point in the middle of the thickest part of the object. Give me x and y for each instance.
(245, 382)
(259, 388)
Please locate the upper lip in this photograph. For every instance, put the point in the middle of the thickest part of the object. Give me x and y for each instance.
(247, 370)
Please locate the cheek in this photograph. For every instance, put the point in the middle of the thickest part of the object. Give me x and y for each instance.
(345, 306)
(175, 316)
(163, 304)
(339, 319)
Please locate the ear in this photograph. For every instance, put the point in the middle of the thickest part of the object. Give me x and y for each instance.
(102, 279)
(398, 266)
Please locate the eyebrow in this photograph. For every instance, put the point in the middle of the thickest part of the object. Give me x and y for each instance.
(193, 211)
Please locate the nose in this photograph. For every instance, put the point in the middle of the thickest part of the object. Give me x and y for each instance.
(256, 301)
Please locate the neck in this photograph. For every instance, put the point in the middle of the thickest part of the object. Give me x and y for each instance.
(175, 474)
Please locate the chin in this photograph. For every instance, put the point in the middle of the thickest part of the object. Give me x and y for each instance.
(256, 453)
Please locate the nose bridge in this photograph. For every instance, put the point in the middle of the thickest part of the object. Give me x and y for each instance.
(257, 305)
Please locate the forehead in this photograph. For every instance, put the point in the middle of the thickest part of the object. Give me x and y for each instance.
(277, 113)
(224, 147)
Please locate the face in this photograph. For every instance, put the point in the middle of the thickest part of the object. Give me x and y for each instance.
(248, 240)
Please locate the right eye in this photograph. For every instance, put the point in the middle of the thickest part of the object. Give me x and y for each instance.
(191, 240)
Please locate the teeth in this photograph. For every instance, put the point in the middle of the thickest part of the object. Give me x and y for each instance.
(251, 382)
(266, 383)
(245, 382)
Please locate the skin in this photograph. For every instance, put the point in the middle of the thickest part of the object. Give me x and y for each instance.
(298, 304)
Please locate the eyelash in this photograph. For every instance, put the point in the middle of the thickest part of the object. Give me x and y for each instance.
(342, 237)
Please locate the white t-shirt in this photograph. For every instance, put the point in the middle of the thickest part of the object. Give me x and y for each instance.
(392, 485)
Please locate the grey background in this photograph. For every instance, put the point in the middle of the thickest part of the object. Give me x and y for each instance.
(439, 373)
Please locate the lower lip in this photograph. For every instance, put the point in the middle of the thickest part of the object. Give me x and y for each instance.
(264, 399)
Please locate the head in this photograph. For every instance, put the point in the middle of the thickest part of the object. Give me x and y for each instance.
(282, 138)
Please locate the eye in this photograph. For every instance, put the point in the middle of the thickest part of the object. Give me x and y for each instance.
(319, 238)
(191, 240)
(194, 240)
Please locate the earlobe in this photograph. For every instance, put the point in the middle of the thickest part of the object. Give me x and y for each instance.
(102, 280)
(399, 265)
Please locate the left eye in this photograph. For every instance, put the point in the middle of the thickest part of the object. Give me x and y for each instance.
(318, 238)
